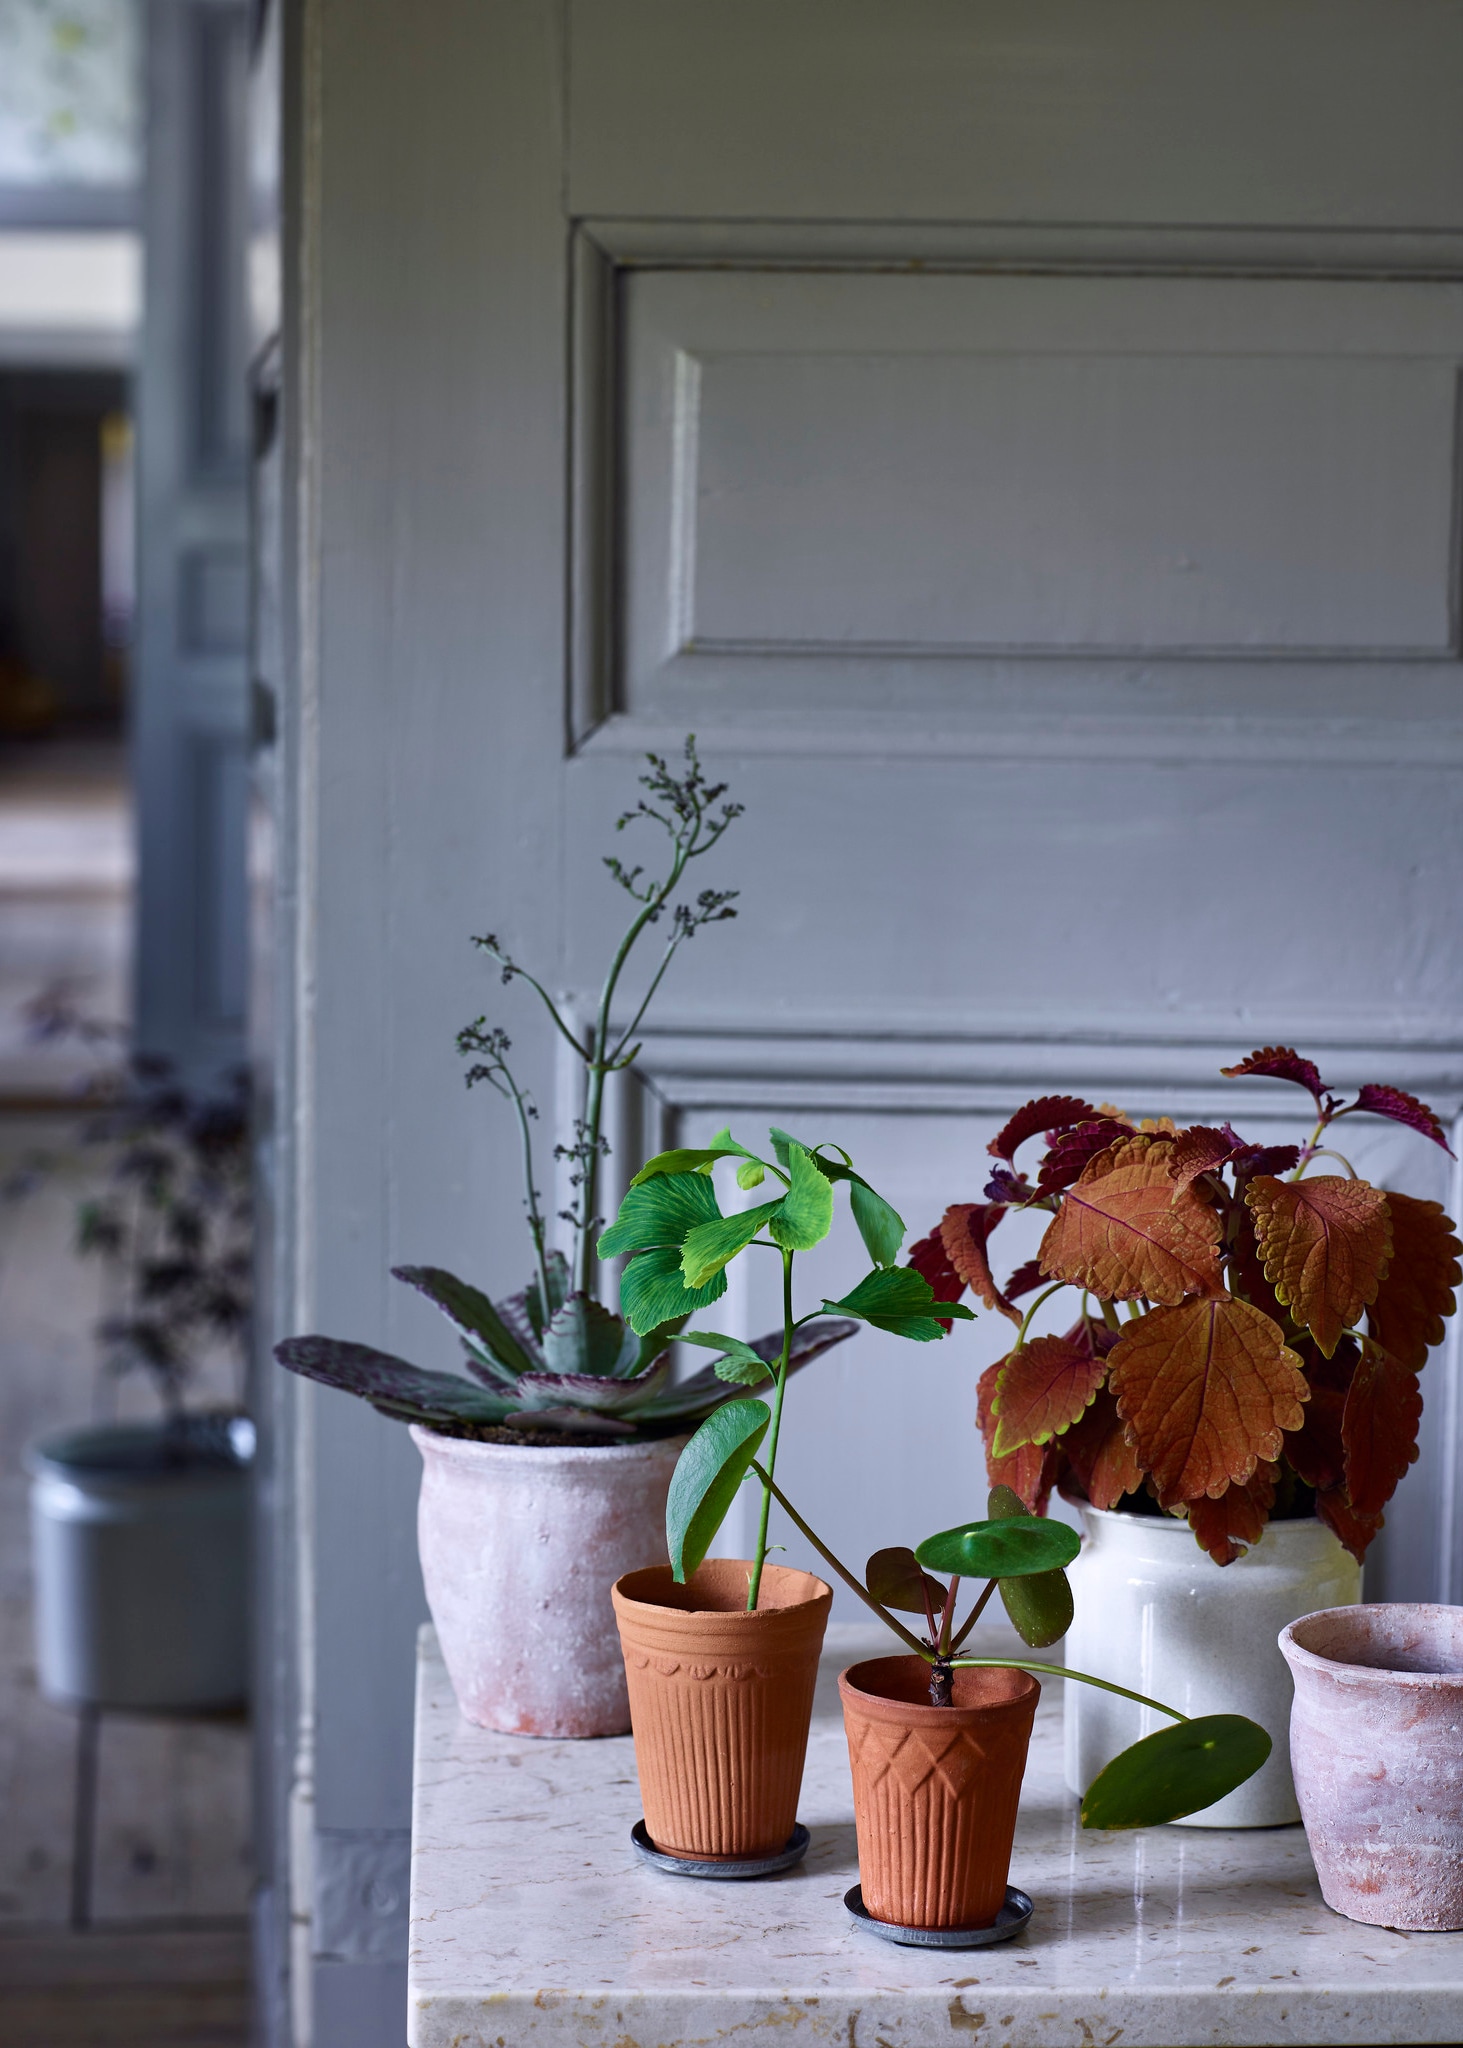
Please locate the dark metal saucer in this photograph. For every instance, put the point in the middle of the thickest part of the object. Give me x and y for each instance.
(724, 1871)
(1012, 1917)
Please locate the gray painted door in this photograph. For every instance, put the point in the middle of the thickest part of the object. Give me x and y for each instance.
(1021, 440)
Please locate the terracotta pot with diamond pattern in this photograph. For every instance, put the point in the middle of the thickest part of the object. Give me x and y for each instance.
(720, 1702)
(935, 1789)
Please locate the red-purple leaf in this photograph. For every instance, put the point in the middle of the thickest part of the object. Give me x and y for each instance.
(964, 1229)
(1101, 1454)
(1071, 1150)
(1041, 1390)
(1202, 1149)
(1264, 1159)
(1227, 1526)
(1356, 1531)
(1379, 1428)
(1281, 1063)
(1418, 1289)
(1403, 1109)
(930, 1259)
(1046, 1113)
(1315, 1450)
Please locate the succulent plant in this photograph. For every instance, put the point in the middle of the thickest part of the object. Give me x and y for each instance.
(564, 1364)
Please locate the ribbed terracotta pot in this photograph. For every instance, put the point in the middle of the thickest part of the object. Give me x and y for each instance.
(1376, 1745)
(520, 1544)
(720, 1701)
(935, 1789)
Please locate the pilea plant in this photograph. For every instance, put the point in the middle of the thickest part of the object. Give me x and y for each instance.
(1249, 1332)
(553, 1360)
(679, 1245)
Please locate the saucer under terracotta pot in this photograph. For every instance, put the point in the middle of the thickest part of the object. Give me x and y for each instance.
(935, 1789)
(1376, 1745)
(720, 1703)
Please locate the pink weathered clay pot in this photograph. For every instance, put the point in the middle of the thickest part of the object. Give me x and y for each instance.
(520, 1545)
(1376, 1746)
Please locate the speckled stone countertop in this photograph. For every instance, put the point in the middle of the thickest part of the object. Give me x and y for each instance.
(533, 1925)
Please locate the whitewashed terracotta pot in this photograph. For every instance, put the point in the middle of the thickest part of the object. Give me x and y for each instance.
(520, 1544)
(1376, 1743)
(1156, 1614)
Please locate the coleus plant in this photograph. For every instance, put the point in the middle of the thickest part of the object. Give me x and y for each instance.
(1249, 1331)
(554, 1358)
(679, 1244)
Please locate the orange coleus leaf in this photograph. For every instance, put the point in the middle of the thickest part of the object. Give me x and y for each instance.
(1227, 1526)
(1356, 1531)
(965, 1228)
(1126, 1230)
(1041, 1389)
(1417, 1288)
(1208, 1390)
(1101, 1454)
(1324, 1244)
(1200, 1149)
(1379, 1428)
(1031, 1471)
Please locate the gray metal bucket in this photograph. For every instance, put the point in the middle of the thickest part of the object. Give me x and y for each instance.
(141, 1555)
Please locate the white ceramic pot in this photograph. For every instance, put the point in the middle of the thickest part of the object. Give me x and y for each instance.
(520, 1545)
(141, 1555)
(1156, 1614)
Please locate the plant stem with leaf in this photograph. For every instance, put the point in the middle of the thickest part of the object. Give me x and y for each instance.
(759, 1557)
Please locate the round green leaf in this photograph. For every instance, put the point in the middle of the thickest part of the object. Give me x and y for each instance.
(1040, 1607)
(705, 1481)
(1001, 1549)
(895, 1580)
(1179, 1770)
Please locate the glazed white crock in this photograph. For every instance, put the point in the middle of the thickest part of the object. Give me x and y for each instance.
(520, 1544)
(1158, 1615)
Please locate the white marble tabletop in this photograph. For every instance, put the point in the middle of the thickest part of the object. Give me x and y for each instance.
(532, 1921)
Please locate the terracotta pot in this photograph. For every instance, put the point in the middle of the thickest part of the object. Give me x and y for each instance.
(935, 1789)
(1156, 1614)
(1376, 1743)
(721, 1701)
(520, 1544)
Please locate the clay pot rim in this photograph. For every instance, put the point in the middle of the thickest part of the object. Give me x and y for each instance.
(738, 1617)
(471, 1451)
(919, 1713)
(1296, 1654)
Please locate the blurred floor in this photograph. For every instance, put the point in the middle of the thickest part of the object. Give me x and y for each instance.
(172, 1837)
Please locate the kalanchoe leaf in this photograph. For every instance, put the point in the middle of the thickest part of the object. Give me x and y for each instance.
(695, 1396)
(705, 1482)
(522, 1317)
(486, 1369)
(1175, 1771)
(1281, 1063)
(1377, 1100)
(653, 1342)
(902, 1302)
(1046, 1113)
(586, 1338)
(469, 1310)
(582, 1420)
(391, 1384)
(1071, 1150)
(895, 1580)
(1008, 1548)
(660, 1213)
(652, 1289)
(593, 1391)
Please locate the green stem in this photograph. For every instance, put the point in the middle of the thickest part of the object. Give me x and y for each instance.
(974, 1615)
(1308, 1150)
(1325, 1152)
(904, 1634)
(1065, 1671)
(1046, 1295)
(760, 1555)
(1110, 1316)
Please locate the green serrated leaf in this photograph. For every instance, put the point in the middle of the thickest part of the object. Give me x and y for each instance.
(1001, 1549)
(685, 1159)
(879, 1225)
(707, 1475)
(751, 1174)
(652, 1291)
(901, 1301)
(805, 1214)
(1176, 1771)
(740, 1364)
(710, 1246)
(660, 1212)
